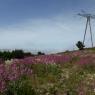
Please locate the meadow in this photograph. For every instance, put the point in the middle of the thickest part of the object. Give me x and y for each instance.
(68, 73)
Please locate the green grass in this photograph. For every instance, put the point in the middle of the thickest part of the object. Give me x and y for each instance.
(65, 78)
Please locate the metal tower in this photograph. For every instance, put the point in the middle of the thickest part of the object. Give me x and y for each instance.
(88, 22)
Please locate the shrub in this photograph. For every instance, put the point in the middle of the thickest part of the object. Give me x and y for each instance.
(80, 45)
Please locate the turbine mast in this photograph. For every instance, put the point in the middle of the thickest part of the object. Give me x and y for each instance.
(88, 23)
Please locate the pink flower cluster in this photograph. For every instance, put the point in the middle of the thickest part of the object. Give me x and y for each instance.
(12, 72)
(45, 59)
(86, 60)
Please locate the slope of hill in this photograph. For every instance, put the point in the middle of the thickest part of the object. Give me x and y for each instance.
(68, 73)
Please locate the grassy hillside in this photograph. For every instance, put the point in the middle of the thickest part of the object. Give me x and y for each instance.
(69, 73)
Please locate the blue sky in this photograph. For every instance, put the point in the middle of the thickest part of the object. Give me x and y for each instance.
(46, 25)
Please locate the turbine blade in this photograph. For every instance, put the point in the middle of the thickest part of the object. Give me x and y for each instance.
(93, 17)
(83, 11)
(83, 15)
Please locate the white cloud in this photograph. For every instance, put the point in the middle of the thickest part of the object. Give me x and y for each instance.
(56, 33)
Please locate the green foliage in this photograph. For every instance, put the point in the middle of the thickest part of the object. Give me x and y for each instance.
(61, 79)
(40, 53)
(20, 87)
(43, 69)
(18, 54)
(80, 45)
(7, 55)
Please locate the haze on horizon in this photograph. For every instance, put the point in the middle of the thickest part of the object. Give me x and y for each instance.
(45, 25)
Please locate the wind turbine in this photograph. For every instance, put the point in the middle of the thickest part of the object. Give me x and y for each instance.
(88, 22)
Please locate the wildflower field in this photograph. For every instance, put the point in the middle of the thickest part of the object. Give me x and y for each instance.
(69, 73)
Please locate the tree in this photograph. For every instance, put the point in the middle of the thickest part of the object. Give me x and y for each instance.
(40, 53)
(80, 45)
(18, 54)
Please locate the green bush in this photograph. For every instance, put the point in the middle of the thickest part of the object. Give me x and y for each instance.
(80, 45)
(23, 87)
